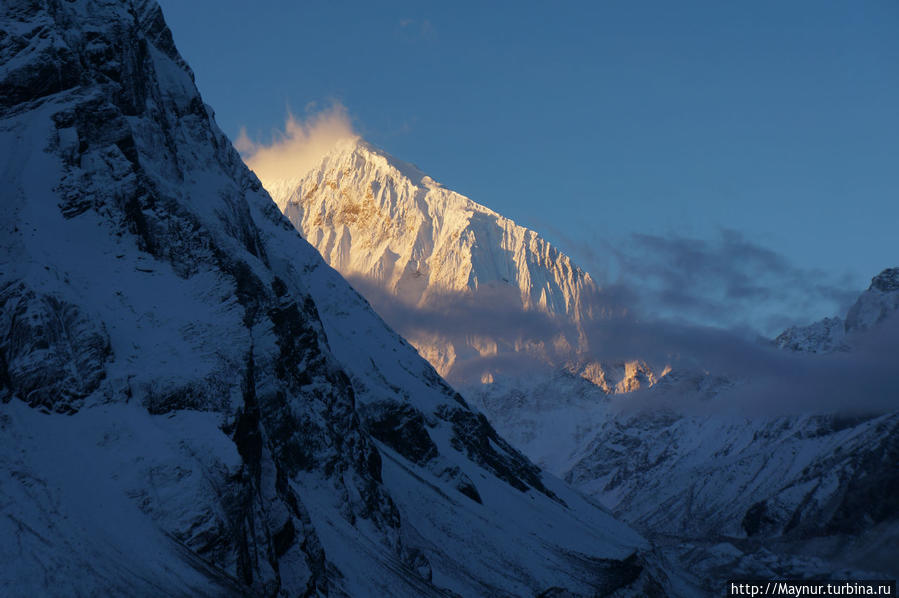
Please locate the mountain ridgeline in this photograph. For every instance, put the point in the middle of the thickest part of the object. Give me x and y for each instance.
(479, 296)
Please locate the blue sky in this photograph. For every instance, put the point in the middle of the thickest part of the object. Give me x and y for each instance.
(709, 125)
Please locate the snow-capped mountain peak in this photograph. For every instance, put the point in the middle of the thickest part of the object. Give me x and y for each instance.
(472, 290)
(372, 215)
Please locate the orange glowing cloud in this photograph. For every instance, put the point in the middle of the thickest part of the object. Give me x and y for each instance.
(299, 148)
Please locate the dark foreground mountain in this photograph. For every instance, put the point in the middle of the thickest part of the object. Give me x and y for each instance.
(193, 403)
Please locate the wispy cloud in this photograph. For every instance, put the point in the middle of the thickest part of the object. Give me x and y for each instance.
(728, 281)
(299, 147)
(763, 380)
(524, 338)
(414, 29)
(706, 280)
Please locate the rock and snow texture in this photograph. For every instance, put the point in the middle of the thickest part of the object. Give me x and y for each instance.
(836, 334)
(369, 214)
(478, 295)
(191, 402)
(876, 304)
(825, 336)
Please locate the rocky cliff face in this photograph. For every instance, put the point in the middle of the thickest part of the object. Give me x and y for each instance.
(876, 304)
(193, 403)
(372, 215)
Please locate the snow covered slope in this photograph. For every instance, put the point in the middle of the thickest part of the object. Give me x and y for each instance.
(836, 334)
(191, 402)
(468, 287)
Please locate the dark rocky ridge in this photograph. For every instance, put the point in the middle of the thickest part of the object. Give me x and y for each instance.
(887, 281)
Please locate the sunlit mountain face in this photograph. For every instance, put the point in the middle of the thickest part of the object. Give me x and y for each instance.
(479, 296)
